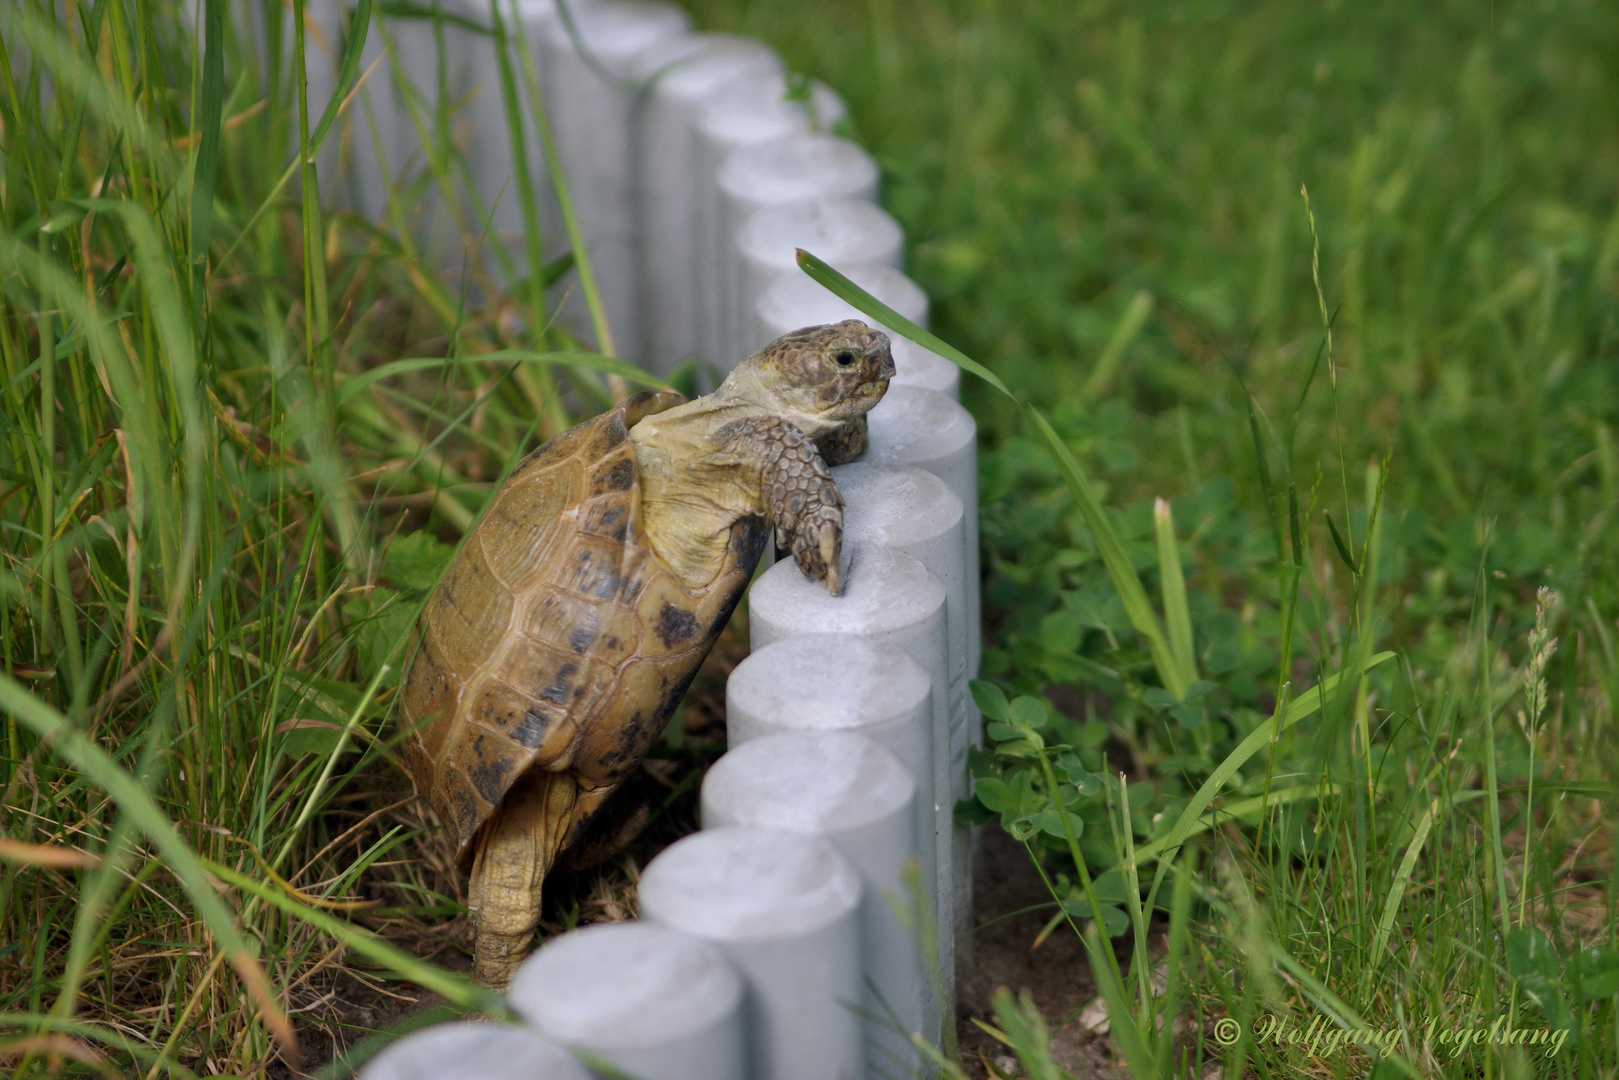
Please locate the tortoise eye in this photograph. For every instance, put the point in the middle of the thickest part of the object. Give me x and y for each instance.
(844, 357)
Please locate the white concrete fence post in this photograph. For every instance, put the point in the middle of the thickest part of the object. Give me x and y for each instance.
(856, 794)
(795, 299)
(473, 1051)
(888, 598)
(843, 682)
(916, 426)
(650, 1001)
(591, 97)
(907, 509)
(667, 168)
(848, 233)
(784, 908)
(745, 111)
(786, 170)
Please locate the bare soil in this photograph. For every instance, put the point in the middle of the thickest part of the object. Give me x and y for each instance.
(1054, 973)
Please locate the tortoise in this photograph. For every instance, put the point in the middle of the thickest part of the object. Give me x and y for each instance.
(564, 632)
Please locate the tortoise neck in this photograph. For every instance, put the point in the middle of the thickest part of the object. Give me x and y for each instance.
(693, 488)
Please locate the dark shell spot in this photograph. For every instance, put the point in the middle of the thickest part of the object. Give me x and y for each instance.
(619, 478)
(597, 573)
(612, 522)
(674, 625)
(612, 643)
(561, 690)
(581, 639)
(489, 775)
(612, 433)
(530, 731)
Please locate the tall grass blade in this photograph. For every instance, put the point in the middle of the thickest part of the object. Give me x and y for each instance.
(205, 169)
(1177, 616)
(1402, 880)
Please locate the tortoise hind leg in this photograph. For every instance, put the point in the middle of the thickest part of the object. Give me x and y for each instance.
(515, 850)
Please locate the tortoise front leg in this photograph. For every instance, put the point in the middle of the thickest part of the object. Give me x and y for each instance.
(515, 850)
(799, 493)
(844, 443)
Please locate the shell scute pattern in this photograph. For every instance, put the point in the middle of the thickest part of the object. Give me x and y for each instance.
(556, 639)
(516, 550)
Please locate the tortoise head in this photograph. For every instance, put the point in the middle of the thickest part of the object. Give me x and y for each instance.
(820, 376)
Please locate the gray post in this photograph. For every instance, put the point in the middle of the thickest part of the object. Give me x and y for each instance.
(747, 110)
(651, 1001)
(915, 426)
(845, 232)
(785, 170)
(891, 599)
(857, 795)
(666, 171)
(795, 299)
(785, 911)
(904, 508)
(591, 104)
(473, 1051)
(841, 682)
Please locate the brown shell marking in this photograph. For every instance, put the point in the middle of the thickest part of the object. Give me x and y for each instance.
(556, 638)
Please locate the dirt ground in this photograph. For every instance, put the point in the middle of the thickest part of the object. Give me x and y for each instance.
(1055, 973)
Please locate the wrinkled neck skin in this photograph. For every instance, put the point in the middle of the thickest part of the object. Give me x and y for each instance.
(694, 488)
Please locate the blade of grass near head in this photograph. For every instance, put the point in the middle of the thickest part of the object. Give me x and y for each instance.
(1174, 675)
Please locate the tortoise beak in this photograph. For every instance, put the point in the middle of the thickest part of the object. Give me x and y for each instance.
(879, 356)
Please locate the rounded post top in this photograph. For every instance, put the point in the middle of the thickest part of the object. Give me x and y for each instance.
(754, 107)
(624, 985)
(913, 426)
(797, 167)
(883, 591)
(488, 1051)
(818, 782)
(829, 682)
(614, 31)
(741, 883)
(801, 295)
(686, 67)
(842, 230)
(894, 505)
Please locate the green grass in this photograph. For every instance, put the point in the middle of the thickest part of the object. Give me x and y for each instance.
(239, 431)
(1106, 203)
(223, 496)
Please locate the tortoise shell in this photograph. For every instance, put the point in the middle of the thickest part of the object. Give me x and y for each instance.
(556, 638)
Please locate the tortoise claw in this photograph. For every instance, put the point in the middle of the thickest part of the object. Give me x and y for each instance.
(829, 559)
